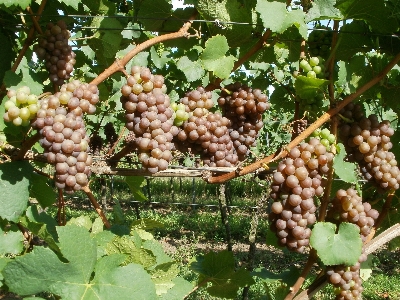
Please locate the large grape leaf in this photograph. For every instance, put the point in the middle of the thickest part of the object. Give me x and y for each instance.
(374, 12)
(343, 247)
(41, 270)
(214, 59)
(10, 242)
(276, 17)
(346, 171)
(309, 87)
(226, 13)
(323, 9)
(40, 189)
(180, 290)
(22, 3)
(14, 182)
(152, 13)
(192, 69)
(219, 269)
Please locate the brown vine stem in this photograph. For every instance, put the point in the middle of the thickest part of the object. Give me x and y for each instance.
(312, 258)
(61, 208)
(26, 145)
(34, 20)
(119, 64)
(321, 120)
(117, 141)
(124, 151)
(370, 247)
(96, 205)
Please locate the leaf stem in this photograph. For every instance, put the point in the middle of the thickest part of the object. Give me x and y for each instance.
(96, 206)
(118, 65)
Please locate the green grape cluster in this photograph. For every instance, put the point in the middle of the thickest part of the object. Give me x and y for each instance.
(325, 136)
(181, 115)
(21, 106)
(319, 41)
(312, 104)
(314, 67)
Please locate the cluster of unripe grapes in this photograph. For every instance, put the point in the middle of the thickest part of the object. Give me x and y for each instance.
(149, 115)
(367, 142)
(53, 47)
(319, 41)
(314, 67)
(296, 181)
(181, 115)
(60, 122)
(206, 133)
(325, 136)
(347, 206)
(244, 107)
(21, 106)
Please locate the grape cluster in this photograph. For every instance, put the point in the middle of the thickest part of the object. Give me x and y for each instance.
(347, 206)
(95, 144)
(204, 132)
(150, 117)
(319, 41)
(314, 67)
(59, 120)
(299, 126)
(21, 106)
(296, 181)
(367, 142)
(244, 107)
(54, 49)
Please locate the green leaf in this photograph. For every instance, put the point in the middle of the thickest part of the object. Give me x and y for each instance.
(192, 69)
(42, 271)
(277, 18)
(229, 12)
(73, 3)
(180, 289)
(323, 9)
(98, 226)
(159, 61)
(152, 13)
(135, 184)
(126, 245)
(23, 3)
(372, 11)
(214, 59)
(146, 224)
(219, 269)
(366, 268)
(11, 242)
(158, 251)
(40, 189)
(336, 249)
(344, 170)
(81, 221)
(7, 55)
(3, 263)
(14, 198)
(289, 276)
(309, 87)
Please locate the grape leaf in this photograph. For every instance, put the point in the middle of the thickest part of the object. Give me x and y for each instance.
(11, 242)
(214, 59)
(14, 198)
(323, 9)
(73, 3)
(159, 61)
(344, 170)
(81, 221)
(135, 184)
(180, 289)
(152, 13)
(277, 18)
(228, 12)
(192, 69)
(288, 276)
(339, 248)
(22, 3)
(309, 87)
(41, 270)
(40, 189)
(372, 11)
(219, 269)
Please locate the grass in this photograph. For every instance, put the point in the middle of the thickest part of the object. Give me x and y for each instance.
(189, 232)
